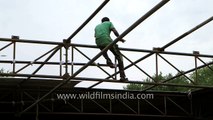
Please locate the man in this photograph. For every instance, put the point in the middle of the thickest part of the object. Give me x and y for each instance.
(102, 37)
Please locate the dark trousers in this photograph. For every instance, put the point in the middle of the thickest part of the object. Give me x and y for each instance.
(115, 50)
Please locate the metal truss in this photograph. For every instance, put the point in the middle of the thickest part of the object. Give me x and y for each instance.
(67, 74)
(163, 104)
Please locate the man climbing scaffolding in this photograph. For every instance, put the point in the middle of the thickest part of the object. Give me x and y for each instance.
(102, 39)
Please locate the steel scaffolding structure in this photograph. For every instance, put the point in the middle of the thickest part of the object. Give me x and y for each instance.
(23, 80)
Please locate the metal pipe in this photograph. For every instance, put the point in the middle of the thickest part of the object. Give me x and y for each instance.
(30, 75)
(66, 61)
(196, 71)
(6, 46)
(165, 105)
(205, 64)
(50, 63)
(149, 13)
(72, 60)
(88, 19)
(156, 67)
(31, 41)
(60, 65)
(186, 54)
(14, 56)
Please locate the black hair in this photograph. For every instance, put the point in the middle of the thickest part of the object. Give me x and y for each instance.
(105, 19)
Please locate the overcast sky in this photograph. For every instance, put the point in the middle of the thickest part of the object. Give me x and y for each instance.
(55, 20)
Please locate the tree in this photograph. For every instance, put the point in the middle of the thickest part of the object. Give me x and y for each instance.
(3, 71)
(203, 76)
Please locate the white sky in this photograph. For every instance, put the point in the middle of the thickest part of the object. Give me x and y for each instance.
(55, 20)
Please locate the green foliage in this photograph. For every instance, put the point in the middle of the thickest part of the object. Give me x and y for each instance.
(133, 86)
(3, 71)
(203, 76)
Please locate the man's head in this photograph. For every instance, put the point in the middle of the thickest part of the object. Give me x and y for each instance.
(105, 19)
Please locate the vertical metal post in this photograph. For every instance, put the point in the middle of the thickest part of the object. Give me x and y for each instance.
(14, 38)
(156, 60)
(60, 67)
(110, 105)
(82, 105)
(165, 105)
(139, 110)
(190, 100)
(196, 72)
(14, 57)
(66, 63)
(22, 101)
(52, 101)
(72, 60)
(156, 63)
(37, 107)
(115, 68)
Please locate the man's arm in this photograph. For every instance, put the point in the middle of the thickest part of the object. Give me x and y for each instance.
(117, 34)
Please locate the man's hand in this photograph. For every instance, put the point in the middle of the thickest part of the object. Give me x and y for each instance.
(122, 40)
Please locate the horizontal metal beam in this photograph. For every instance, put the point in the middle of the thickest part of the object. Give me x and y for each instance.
(30, 41)
(30, 75)
(94, 46)
(50, 63)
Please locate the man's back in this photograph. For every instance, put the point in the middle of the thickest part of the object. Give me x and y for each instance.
(102, 33)
(103, 29)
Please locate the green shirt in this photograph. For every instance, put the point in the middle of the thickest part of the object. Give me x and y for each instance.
(102, 33)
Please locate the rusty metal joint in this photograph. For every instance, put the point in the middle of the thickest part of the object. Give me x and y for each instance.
(66, 43)
(158, 49)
